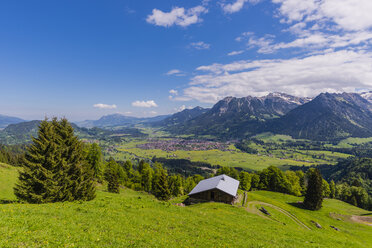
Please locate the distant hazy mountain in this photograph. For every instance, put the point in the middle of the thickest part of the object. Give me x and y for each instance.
(328, 117)
(181, 117)
(236, 117)
(115, 120)
(7, 120)
(19, 133)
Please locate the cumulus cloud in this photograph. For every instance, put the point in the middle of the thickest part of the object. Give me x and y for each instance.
(201, 45)
(318, 25)
(104, 106)
(343, 70)
(175, 72)
(144, 104)
(237, 5)
(352, 15)
(177, 16)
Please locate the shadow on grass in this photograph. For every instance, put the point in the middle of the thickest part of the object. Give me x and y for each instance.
(297, 205)
(366, 214)
(4, 201)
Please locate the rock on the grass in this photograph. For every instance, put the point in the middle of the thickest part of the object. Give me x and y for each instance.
(316, 224)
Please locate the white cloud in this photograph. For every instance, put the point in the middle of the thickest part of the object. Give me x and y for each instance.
(175, 72)
(343, 70)
(351, 15)
(177, 16)
(173, 92)
(201, 45)
(182, 108)
(237, 5)
(144, 104)
(104, 106)
(233, 53)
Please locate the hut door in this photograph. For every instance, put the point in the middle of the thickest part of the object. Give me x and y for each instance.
(212, 195)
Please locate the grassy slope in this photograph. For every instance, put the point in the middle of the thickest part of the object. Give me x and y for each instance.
(138, 220)
(8, 177)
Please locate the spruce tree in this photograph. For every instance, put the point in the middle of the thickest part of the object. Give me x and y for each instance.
(54, 168)
(160, 185)
(37, 180)
(332, 188)
(314, 194)
(94, 159)
(112, 172)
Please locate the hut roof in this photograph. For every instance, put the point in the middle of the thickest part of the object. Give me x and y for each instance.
(223, 182)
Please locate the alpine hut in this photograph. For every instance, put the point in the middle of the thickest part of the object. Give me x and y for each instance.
(221, 188)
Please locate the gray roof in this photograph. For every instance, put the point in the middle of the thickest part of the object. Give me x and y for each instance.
(224, 183)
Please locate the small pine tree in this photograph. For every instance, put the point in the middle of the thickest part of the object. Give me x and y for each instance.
(332, 188)
(160, 185)
(112, 176)
(94, 159)
(147, 174)
(314, 194)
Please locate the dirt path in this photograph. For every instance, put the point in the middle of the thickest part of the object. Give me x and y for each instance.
(251, 208)
(362, 219)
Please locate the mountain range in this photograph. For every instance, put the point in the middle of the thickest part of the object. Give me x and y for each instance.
(115, 120)
(239, 117)
(329, 116)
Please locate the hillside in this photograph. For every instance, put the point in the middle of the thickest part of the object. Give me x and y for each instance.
(7, 120)
(355, 171)
(235, 117)
(21, 133)
(327, 117)
(139, 220)
(181, 117)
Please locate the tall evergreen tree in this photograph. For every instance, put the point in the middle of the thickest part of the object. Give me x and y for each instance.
(332, 188)
(54, 168)
(314, 194)
(112, 176)
(176, 185)
(147, 174)
(160, 185)
(94, 159)
(76, 176)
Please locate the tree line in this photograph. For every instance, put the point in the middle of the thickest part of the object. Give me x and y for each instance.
(57, 166)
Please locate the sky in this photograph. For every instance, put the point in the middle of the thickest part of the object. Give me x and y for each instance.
(83, 59)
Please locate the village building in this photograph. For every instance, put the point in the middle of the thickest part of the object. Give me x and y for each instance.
(219, 189)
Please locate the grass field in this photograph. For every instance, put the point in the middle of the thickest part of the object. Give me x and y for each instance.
(8, 177)
(135, 219)
(235, 158)
(350, 142)
(215, 157)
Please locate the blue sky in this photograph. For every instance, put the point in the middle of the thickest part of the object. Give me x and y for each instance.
(84, 59)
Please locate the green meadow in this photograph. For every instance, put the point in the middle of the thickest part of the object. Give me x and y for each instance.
(234, 158)
(8, 177)
(136, 219)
